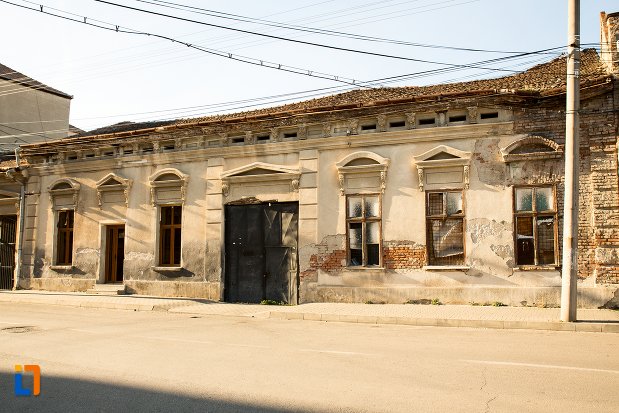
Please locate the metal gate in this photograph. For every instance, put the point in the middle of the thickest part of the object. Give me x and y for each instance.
(261, 253)
(8, 228)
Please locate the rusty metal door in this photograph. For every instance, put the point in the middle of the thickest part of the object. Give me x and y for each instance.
(261, 252)
(8, 234)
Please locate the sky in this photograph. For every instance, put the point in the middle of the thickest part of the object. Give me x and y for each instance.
(114, 76)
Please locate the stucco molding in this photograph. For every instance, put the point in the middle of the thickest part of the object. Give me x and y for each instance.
(554, 150)
(378, 165)
(269, 173)
(444, 157)
(64, 187)
(110, 183)
(157, 183)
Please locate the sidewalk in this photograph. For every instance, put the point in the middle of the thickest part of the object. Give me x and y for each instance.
(408, 314)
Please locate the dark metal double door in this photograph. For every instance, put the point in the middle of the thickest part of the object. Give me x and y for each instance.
(8, 234)
(261, 259)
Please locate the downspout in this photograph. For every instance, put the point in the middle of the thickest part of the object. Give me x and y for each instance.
(22, 212)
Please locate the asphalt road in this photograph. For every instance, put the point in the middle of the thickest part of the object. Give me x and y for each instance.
(122, 361)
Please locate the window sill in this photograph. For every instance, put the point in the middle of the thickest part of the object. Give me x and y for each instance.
(361, 268)
(446, 268)
(163, 269)
(525, 268)
(61, 267)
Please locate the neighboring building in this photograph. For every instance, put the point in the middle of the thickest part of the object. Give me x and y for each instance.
(30, 112)
(450, 191)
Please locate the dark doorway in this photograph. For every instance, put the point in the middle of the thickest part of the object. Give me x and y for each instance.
(261, 253)
(8, 232)
(115, 253)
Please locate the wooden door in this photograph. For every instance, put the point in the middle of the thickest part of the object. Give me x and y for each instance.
(115, 254)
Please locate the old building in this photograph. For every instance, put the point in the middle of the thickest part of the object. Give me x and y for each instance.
(30, 112)
(450, 191)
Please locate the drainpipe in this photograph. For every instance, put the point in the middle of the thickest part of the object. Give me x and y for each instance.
(11, 174)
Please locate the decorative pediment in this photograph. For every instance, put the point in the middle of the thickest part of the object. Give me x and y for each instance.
(9, 198)
(443, 167)
(111, 183)
(64, 193)
(260, 172)
(362, 170)
(531, 148)
(168, 186)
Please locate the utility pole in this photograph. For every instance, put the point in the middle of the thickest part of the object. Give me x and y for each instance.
(569, 274)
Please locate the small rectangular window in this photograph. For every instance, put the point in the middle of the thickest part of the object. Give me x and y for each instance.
(167, 147)
(290, 135)
(263, 138)
(71, 157)
(363, 225)
(64, 238)
(128, 152)
(457, 118)
(445, 228)
(108, 153)
(89, 155)
(397, 124)
(237, 140)
(368, 127)
(489, 115)
(535, 220)
(427, 121)
(170, 235)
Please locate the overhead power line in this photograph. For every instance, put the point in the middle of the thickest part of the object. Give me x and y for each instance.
(344, 49)
(306, 29)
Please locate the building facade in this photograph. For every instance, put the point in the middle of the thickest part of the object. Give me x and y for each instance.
(451, 192)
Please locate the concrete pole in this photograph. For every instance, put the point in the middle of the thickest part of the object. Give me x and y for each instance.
(569, 275)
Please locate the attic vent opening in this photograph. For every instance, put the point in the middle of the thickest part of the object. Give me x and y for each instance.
(427, 121)
(128, 151)
(108, 153)
(489, 115)
(457, 118)
(147, 149)
(71, 157)
(89, 155)
(290, 135)
(239, 139)
(368, 127)
(168, 146)
(262, 138)
(397, 124)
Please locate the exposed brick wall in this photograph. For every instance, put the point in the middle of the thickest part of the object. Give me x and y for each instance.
(399, 257)
(599, 183)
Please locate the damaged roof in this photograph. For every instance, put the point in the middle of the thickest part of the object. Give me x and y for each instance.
(545, 79)
(11, 75)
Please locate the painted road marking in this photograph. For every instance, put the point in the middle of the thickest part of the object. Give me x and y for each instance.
(544, 366)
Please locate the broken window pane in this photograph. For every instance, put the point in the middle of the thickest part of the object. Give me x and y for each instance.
(372, 254)
(524, 199)
(372, 232)
(544, 199)
(525, 249)
(355, 239)
(447, 242)
(372, 206)
(355, 243)
(435, 203)
(354, 207)
(454, 203)
(545, 240)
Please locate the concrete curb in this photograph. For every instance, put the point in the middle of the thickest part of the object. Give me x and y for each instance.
(591, 327)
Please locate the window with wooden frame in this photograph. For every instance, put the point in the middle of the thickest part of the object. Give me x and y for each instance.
(445, 228)
(64, 237)
(535, 220)
(170, 235)
(363, 227)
